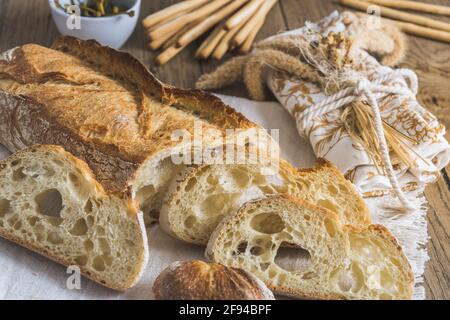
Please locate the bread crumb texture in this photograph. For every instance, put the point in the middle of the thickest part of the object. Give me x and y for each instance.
(201, 197)
(302, 250)
(51, 203)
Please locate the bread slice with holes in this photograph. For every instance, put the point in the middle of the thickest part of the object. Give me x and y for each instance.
(200, 197)
(322, 258)
(51, 203)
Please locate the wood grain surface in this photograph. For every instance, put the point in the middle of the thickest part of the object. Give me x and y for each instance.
(25, 21)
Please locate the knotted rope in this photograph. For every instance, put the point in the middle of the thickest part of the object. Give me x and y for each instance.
(373, 91)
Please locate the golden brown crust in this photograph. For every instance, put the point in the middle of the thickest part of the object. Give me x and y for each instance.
(361, 216)
(212, 108)
(24, 122)
(100, 104)
(197, 280)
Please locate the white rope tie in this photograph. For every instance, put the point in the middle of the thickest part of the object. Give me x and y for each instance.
(372, 91)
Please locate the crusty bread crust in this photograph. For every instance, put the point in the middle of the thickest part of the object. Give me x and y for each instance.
(362, 216)
(132, 211)
(25, 120)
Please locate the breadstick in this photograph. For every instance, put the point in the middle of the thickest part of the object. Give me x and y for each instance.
(413, 5)
(255, 20)
(156, 44)
(424, 32)
(209, 22)
(175, 25)
(247, 45)
(399, 15)
(168, 54)
(176, 37)
(226, 42)
(159, 24)
(169, 38)
(244, 14)
(169, 12)
(208, 46)
(167, 29)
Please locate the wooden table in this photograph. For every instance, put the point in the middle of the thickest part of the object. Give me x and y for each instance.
(25, 21)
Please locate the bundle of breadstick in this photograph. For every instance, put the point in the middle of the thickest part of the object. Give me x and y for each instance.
(234, 24)
(408, 22)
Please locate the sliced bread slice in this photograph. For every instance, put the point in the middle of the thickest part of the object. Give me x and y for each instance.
(200, 197)
(324, 259)
(51, 203)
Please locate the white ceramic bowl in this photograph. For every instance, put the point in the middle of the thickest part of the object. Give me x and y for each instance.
(111, 31)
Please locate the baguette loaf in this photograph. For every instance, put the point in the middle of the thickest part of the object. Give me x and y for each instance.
(325, 259)
(51, 203)
(200, 197)
(106, 108)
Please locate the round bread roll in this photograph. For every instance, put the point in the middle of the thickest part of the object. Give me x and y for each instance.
(198, 280)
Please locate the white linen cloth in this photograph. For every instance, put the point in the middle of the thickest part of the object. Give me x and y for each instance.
(27, 275)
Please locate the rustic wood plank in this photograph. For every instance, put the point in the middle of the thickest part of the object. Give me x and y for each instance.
(297, 12)
(3, 7)
(431, 61)
(437, 274)
(26, 22)
(446, 173)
